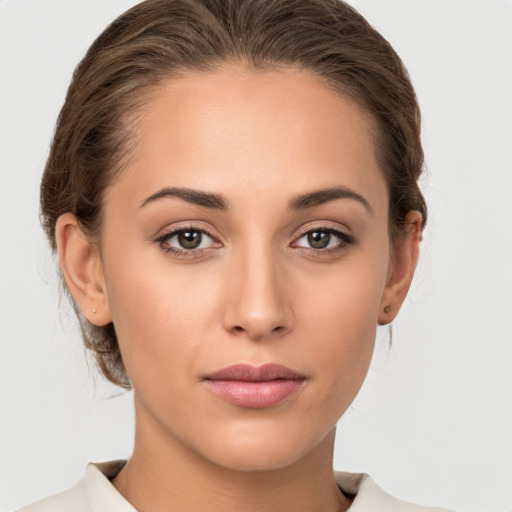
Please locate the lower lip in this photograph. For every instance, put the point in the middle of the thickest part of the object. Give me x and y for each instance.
(255, 395)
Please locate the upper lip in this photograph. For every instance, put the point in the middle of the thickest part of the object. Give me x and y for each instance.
(250, 373)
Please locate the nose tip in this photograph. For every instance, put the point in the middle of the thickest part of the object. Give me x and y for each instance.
(259, 325)
(257, 306)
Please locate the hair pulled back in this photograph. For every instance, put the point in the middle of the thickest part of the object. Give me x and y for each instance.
(159, 39)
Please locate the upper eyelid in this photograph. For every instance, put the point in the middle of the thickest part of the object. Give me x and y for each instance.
(344, 237)
(173, 230)
(330, 226)
(325, 224)
(177, 251)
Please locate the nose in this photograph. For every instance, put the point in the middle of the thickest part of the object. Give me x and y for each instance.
(257, 304)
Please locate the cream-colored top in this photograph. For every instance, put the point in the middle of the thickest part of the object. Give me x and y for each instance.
(95, 493)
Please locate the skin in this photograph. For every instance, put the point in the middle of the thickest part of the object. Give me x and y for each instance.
(255, 291)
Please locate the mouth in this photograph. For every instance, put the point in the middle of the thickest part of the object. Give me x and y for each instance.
(255, 387)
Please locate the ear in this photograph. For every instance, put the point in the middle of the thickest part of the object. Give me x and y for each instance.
(83, 270)
(401, 269)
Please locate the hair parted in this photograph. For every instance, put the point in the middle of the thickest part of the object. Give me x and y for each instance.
(159, 39)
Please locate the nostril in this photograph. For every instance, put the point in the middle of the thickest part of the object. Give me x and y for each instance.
(237, 329)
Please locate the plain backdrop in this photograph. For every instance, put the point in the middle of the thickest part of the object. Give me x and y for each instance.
(433, 422)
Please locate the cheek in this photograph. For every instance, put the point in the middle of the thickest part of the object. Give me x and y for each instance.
(347, 327)
(340, 321)
(161, 314)
(345, 298)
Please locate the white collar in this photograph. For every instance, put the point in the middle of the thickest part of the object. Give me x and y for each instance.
(102, 495)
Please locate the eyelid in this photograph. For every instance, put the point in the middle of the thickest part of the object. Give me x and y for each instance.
(183, 226)
(326, 226)
(174, 230)
(345, 238)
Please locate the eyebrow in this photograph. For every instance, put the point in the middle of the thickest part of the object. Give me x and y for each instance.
(206, 199)
(218, 202)
(318, 197)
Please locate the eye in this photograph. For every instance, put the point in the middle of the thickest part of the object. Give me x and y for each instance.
(323, 238)
(186, 240)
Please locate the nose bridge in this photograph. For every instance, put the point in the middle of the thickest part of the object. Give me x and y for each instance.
(257, 304)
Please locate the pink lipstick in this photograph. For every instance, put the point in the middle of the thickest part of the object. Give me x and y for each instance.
(255, 387)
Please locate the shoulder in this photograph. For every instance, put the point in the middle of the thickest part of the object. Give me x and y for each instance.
(370, 497)
(73, 499)
(93, 493)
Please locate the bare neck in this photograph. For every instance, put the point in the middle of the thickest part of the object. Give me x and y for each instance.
(166, 476)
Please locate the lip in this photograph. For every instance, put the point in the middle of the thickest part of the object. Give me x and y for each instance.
(255, 387)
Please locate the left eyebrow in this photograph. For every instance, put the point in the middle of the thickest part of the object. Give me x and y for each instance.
(322, 196)
(206, 199)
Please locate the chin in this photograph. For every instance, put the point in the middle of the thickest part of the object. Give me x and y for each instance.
(262, 449)
(250, 460)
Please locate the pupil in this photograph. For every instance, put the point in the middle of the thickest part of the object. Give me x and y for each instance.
(189, 239)
(319, 239)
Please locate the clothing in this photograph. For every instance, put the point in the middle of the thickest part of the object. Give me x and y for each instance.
(95, 493)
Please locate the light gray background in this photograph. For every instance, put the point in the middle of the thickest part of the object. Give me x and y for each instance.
(433, 423)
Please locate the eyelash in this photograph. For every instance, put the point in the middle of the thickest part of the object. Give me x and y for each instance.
(168, 235)
(344, 241)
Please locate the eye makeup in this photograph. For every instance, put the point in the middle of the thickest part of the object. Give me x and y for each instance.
(190, 240)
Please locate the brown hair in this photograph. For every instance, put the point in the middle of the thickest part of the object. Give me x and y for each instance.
(158, 39)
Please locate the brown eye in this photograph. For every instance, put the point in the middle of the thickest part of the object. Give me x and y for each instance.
(189, 239)
(322, 239)
(319, 239)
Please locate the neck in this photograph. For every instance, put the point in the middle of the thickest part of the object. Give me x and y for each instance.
(165, 475)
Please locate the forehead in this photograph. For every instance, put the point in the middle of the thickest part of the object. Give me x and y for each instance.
(281, 128)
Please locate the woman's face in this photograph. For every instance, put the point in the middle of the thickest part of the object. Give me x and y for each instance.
(249, 228)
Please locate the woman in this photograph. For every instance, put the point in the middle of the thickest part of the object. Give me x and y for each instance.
(232, 191)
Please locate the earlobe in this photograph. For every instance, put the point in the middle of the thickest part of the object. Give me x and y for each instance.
(82, 269)
(402, 269)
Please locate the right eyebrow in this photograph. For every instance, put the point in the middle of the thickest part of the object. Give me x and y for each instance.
(205, 199)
